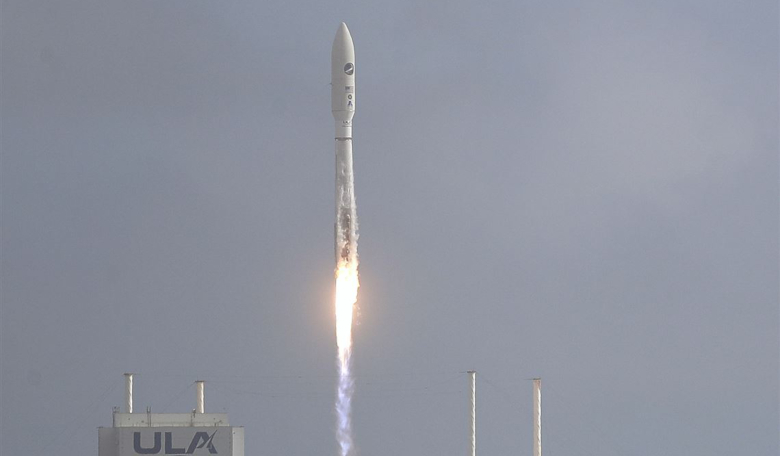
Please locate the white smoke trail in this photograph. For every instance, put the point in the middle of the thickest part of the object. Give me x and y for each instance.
(344, 402)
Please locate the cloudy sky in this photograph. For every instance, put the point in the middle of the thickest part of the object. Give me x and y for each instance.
(583, 191)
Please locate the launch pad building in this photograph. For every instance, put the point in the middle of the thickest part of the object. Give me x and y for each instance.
(169, 434)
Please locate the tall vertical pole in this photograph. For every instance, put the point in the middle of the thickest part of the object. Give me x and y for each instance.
(473, 408)
(128, 393)
(537, 417)
(200, 406)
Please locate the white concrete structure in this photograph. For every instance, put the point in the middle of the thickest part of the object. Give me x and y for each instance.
(170, 434)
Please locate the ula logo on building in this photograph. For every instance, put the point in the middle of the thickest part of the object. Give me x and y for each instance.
(200, 440)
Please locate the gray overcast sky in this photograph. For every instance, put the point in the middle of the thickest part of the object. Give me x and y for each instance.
(582, 191)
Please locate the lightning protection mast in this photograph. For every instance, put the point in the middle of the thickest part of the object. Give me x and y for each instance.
(537, 417)
(473, 413)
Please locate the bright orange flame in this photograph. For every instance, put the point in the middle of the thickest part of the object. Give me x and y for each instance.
(346, 296)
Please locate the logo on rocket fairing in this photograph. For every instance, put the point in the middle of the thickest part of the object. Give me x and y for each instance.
(349, 68)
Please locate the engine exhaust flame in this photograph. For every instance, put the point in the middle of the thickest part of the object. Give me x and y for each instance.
(346, 297)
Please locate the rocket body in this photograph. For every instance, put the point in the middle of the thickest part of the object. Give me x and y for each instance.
(343, 108)
(342, 60)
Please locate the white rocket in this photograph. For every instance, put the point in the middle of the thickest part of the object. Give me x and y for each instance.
(343, 106)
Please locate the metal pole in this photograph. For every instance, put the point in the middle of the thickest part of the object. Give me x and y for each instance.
(200, 406)
(473, 408)
(537, 417)
(128, 393)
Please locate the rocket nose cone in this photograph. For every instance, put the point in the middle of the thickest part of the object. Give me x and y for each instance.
(343, 40)
(343, 30)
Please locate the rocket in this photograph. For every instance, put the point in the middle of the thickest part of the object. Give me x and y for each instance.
(342, 59)
(343, 107)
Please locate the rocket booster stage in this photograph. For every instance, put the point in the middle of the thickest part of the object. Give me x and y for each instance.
(343, 107)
